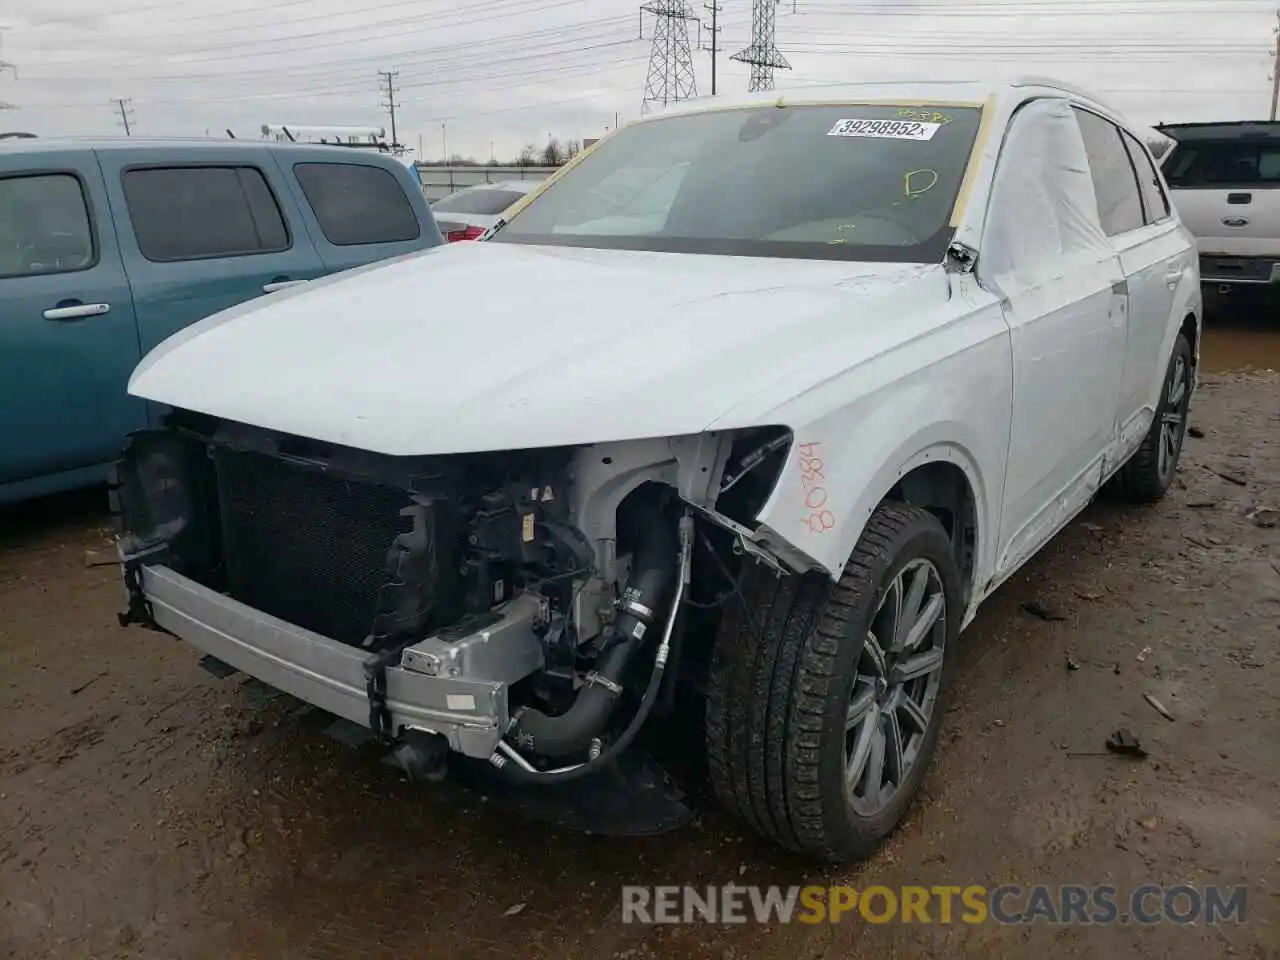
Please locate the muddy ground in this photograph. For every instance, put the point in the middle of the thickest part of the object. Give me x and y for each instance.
(148, 810)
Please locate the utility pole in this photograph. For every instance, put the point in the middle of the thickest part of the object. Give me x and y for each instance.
(444, 141)
(122, 104)
(1275, 68)
(389, 76)
(714, 9)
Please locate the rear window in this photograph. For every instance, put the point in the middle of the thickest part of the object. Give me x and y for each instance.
(357, 203)
(485, 201)
(1224, 164)
(44, 226)
(193, 213)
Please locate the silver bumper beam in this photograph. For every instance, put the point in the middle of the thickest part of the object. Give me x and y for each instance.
(471, 713)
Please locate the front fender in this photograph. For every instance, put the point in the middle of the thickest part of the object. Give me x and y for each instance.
(843, 462)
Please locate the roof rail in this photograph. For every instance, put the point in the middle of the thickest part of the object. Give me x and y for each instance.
(1071, 88)
(1033, 80)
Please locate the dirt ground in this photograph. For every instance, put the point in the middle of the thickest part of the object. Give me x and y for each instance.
(148, 810)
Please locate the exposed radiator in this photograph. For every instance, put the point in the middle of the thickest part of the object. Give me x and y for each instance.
(305, 546)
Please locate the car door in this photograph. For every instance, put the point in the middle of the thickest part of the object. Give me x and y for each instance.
(1155, 258)
(358, 209)
(1045, 252)
(68, 340)
(203, 229)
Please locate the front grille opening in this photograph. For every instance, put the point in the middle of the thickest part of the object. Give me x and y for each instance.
(306, 546)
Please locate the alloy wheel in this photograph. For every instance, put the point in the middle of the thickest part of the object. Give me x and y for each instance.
(1173, 418)
(899, 675)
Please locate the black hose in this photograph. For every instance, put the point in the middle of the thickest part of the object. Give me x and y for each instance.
(613, 750)
(655, 570)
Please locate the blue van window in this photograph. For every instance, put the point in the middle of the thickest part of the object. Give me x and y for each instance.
(44, 225)
(193, 213)
(357, 203)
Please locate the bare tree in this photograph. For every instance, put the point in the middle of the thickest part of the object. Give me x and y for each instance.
(528, 156)
(553, 154)
(572, 149)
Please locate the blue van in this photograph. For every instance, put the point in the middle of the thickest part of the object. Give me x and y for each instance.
(109, 247)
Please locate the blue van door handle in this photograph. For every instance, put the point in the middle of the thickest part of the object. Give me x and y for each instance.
(280, 283)
(75, 310)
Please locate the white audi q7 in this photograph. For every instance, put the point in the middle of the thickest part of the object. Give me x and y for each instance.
(747, 409)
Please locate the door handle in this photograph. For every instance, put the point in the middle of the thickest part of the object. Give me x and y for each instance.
(76, 311)
(1172, 277)
(280, 284)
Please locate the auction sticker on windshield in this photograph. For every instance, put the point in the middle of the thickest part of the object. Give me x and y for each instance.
(884, 129)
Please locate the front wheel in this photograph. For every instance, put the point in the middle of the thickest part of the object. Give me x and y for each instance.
(1148, 474)
(825, 699)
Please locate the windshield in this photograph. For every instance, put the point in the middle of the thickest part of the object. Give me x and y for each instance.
(851, 182)
(483, 201)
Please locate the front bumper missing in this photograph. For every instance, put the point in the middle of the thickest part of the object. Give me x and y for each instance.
(471, 714)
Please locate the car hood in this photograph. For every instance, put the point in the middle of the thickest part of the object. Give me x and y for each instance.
(494, 346)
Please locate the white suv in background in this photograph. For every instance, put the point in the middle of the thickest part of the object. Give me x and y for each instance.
(1225, 181)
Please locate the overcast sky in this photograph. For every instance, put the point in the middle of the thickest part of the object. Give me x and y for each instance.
(476, 73)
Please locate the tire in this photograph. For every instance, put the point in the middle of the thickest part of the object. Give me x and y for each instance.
(785, 666)
(1147, 475)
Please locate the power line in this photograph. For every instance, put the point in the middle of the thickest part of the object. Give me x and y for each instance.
(123, 104)
(1047, 8)
(469, 52)
(344, 36)
(762, 55)
(670, 77)
(473, 83)
(390, 77)
(277, 23)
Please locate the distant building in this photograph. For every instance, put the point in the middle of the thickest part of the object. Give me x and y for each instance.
(590, 142)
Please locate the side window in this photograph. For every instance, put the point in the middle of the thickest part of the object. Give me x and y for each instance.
(1119, 200)
(1154, 201)
(44, 225)
(194, 213)
(357, 203)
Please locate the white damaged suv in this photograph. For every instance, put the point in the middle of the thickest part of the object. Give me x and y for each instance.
(748, 408)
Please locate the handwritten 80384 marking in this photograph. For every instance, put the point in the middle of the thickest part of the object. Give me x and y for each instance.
(818, 518)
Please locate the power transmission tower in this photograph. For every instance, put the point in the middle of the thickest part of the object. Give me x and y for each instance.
(1275, 68)
(670, 78)
(762, 54)
(714, 9)
(122, 104)
(389, 77)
